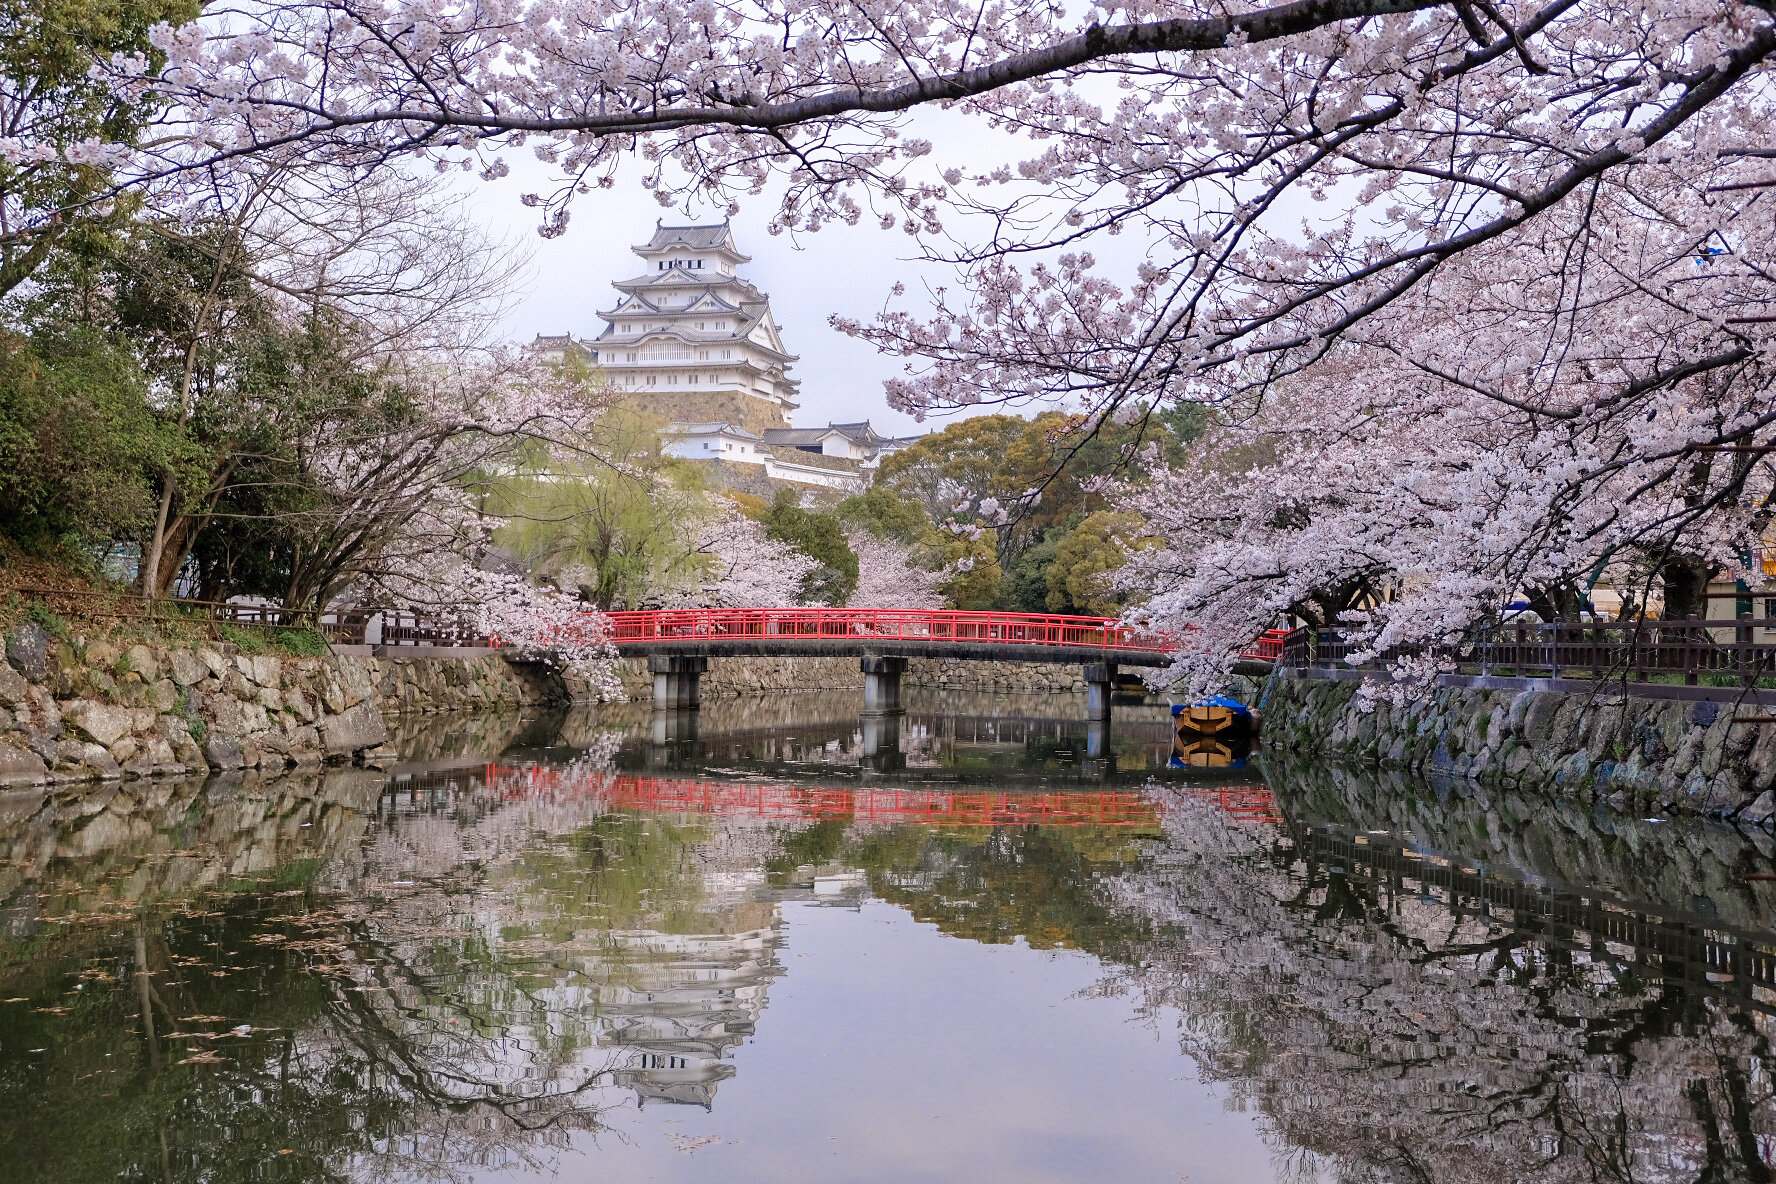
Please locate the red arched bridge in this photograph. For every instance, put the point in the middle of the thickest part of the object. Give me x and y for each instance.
(944, 633)
(678, 643)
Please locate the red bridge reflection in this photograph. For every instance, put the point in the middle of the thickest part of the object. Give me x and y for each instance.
(884, 805)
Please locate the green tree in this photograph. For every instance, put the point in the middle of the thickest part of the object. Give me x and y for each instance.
(1040, 470)
(619, 530)
(886, 514)
(821, 537)
(79, 442)
(48, 95)
(1085, 555)
(973, 560)
(1024, 586)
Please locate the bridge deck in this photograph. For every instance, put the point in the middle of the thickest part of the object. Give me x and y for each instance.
(860, 644)
(980, 636)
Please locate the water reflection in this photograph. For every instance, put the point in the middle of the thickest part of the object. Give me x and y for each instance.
(539, 944)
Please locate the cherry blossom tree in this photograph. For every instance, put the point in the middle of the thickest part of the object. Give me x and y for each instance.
(1505, 263)
(889, 575)
(1438, 463)
(745, 569)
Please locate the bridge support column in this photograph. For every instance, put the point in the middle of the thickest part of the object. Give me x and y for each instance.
(881, 681)
(672, 736)
(881, 741)
(1099, 760)
(677, 679)
(1100, 689)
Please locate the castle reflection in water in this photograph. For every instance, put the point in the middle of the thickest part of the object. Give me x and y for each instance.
(471, 958)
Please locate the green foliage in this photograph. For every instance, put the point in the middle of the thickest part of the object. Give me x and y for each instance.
(821, 537)
(49, 93)
(619, 531)
(1024, 586)
(977, 587)
(1085, 556)
(56, 627)
(1054, 455)
(885, 514)
(193, 721)
(250, 641)
(302, 643)
(80, 444)
(1042, 470)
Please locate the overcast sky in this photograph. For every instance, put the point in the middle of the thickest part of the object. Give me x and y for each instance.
(843, 270)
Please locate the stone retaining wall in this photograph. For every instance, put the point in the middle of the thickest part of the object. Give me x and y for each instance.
(1646, 754)
(80, 711)
(760, 676)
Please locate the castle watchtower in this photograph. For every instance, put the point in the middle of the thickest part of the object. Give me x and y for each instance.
(691, 341)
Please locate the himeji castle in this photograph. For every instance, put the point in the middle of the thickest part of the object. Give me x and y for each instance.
(695, 344)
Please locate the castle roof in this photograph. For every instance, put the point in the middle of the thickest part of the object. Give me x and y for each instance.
(861, 431)
(711, 236)
(709, 429)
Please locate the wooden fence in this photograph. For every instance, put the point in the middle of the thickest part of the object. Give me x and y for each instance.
(339, 627)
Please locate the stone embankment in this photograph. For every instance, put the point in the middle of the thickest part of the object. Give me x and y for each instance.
(763, 676)
(76, 710)
(1635, 752)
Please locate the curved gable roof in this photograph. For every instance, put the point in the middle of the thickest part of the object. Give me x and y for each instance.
(711, 236)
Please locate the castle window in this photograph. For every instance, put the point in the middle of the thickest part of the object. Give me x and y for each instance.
(726, 354)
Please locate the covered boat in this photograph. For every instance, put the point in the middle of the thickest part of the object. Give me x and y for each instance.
(1219, 717)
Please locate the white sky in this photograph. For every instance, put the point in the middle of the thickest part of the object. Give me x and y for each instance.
(841, 270)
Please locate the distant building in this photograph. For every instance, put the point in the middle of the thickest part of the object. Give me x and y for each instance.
(696, 345)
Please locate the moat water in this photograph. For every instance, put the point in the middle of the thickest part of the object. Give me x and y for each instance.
(781, 942)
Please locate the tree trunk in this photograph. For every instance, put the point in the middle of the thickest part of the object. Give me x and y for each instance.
(1686, 586)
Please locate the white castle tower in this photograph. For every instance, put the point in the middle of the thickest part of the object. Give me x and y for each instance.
(695, 345)
(693, 340)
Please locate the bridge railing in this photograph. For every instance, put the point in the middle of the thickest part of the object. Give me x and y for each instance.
(1741, 650)
(887, 625)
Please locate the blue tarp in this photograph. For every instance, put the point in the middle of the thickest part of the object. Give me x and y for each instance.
(1213, 701)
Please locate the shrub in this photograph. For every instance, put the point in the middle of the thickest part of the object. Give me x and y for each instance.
(303, 643)
(250, 641)
(56, 627)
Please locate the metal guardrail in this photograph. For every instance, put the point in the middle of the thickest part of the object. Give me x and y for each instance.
(1639, 649)
(338, 626)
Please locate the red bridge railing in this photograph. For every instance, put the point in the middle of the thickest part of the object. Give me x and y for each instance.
(881, 624)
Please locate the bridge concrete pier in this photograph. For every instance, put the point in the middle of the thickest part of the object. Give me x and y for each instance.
(678, 679)
(673, 725)
(881, 681)
(881, 741)
(1099, 760)
(672, 737)
(1100, 689)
